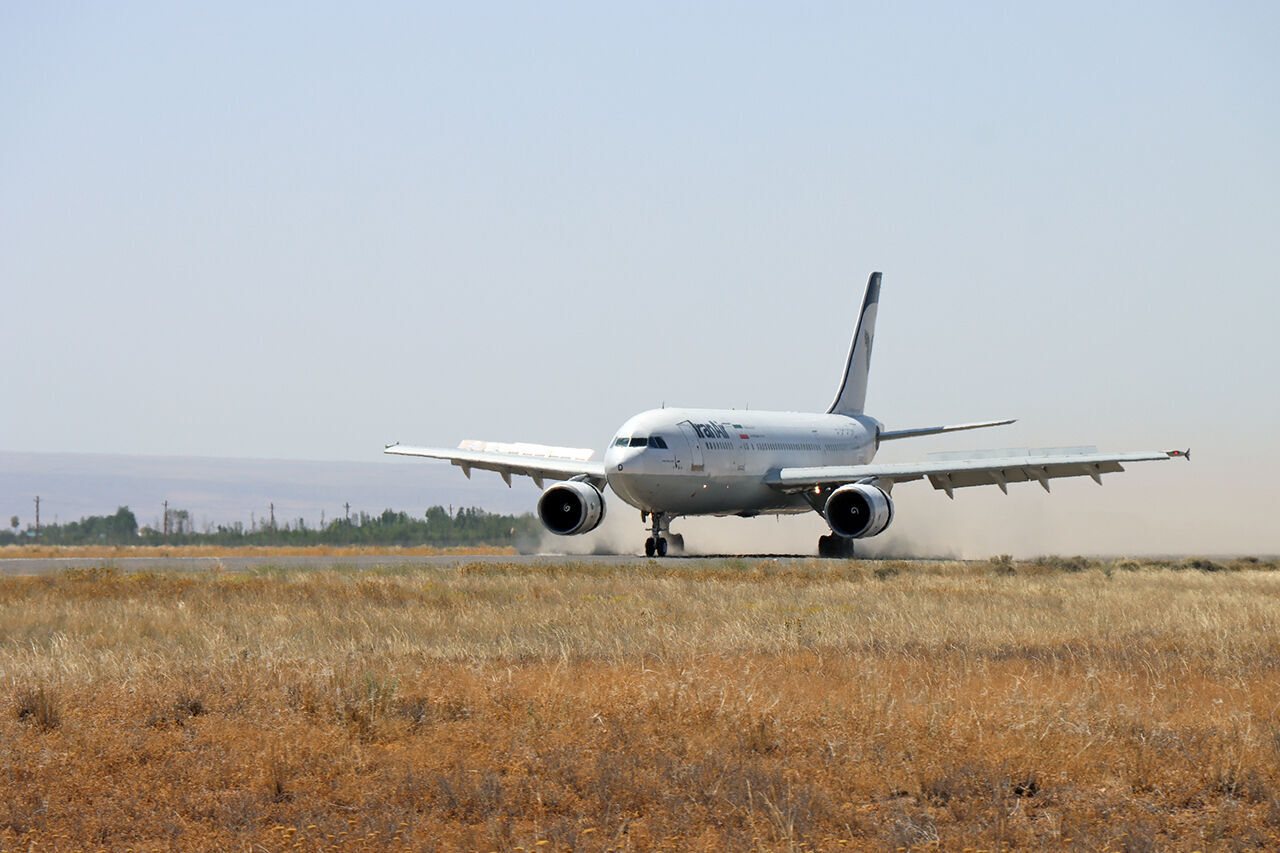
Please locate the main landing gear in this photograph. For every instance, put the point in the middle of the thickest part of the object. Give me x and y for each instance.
(835, 546)
(657, 543)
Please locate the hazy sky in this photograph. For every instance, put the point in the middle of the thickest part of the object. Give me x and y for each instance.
(302, 230)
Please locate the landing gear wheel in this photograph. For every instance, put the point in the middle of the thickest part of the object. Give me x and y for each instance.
(835, 547)
(656, 544)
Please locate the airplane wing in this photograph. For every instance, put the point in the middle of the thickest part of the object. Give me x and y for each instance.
(949, 472)
(537, 461)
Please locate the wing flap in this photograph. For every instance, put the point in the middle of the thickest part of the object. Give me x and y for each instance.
(1024, 474)
(536, 461)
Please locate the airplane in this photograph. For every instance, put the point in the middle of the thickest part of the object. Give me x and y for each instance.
(674, 462)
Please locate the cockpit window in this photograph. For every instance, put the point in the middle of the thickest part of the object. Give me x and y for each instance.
(641, 441)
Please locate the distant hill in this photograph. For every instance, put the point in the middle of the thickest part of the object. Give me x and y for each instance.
(222, 491)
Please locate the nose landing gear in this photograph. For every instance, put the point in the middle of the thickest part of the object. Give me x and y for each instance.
(657, 543)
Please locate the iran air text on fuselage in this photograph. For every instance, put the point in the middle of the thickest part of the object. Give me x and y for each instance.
(711, 429)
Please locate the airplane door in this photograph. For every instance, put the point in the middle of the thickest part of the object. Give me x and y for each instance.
(697, 465)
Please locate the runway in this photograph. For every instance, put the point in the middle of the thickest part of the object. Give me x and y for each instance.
(19, 566)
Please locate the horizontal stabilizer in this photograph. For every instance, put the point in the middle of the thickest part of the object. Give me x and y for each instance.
(889, 434)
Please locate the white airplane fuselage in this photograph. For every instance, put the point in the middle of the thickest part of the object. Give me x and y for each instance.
(714, 460)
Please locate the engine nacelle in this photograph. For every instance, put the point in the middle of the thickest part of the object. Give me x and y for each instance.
(568, 509)
(859, 510)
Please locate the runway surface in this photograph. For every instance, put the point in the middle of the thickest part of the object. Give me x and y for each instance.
(50, 565)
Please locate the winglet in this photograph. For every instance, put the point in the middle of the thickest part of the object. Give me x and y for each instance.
(853, 386)
(1186, 453)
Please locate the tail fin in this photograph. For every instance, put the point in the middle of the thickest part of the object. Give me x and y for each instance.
(853, 387)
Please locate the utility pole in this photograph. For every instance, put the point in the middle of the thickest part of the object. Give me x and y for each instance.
(37, 516)
(166, 518)
(273, 516)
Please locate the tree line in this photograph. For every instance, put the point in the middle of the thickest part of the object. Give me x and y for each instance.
(437, 526)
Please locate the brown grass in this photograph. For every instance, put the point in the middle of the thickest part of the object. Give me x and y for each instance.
(729, 705)
(120, 551)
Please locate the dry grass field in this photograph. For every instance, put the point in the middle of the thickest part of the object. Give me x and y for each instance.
(706, 705)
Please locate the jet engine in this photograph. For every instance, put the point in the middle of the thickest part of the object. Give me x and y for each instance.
(859, 510)
(567, 509)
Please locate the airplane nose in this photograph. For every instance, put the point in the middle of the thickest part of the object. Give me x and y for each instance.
(617, 459)
(623, 450)
(621, 466)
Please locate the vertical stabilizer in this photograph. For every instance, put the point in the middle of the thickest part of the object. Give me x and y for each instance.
(853, 387)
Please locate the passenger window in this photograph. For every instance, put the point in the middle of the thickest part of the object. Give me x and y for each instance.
(639, 441)
(658, 442)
